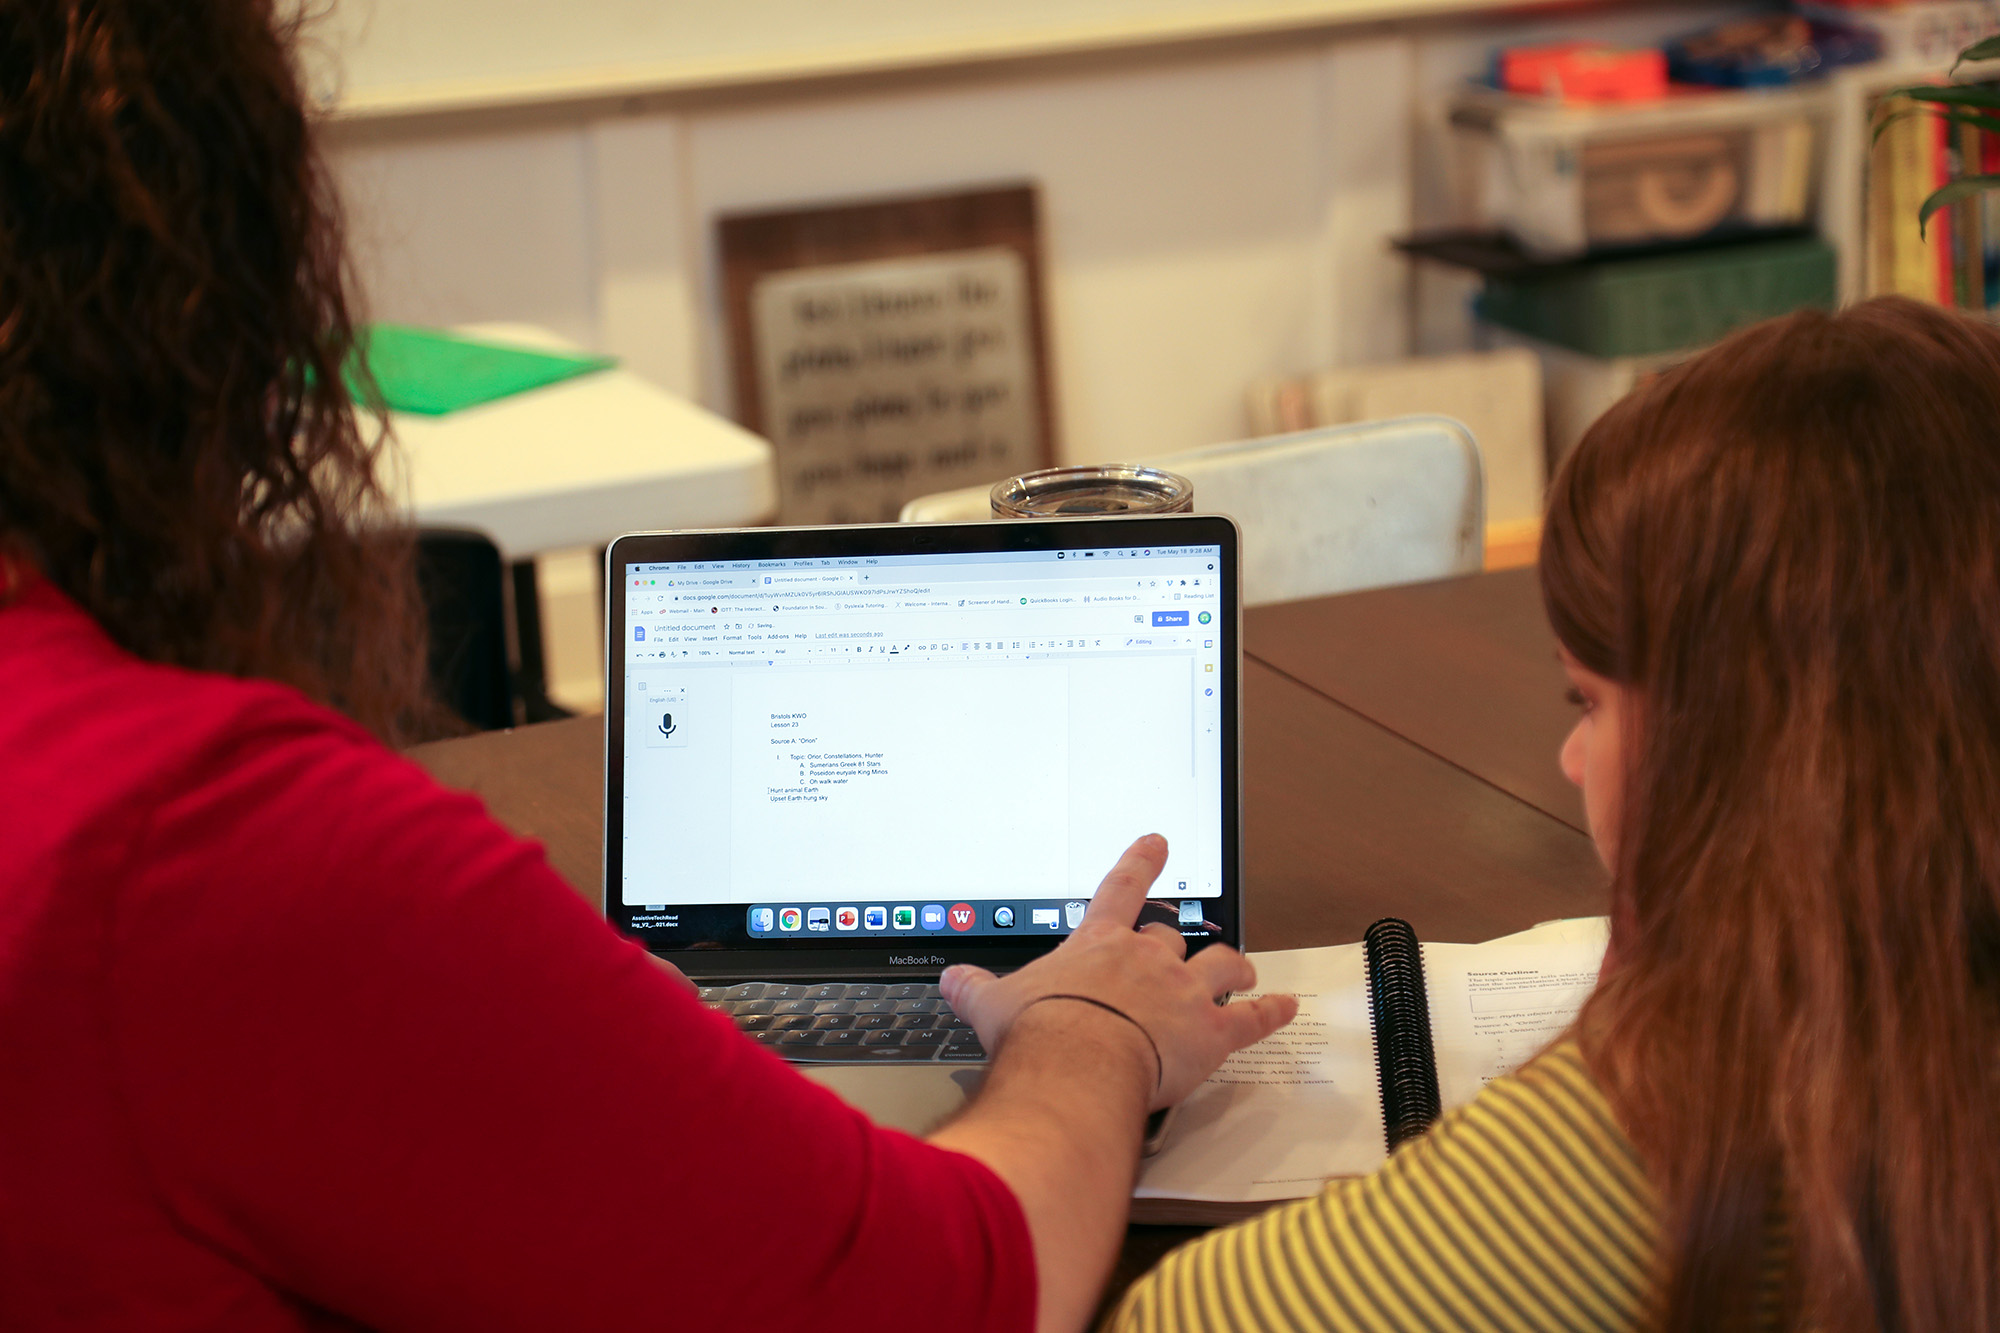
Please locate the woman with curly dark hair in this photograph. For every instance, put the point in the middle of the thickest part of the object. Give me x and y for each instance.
(173, 278)
(292, 1038)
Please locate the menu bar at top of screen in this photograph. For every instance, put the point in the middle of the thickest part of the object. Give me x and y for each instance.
(953, 558)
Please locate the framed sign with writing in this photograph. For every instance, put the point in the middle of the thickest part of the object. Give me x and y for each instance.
(890, 349)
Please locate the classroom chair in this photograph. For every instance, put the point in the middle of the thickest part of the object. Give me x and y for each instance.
(1333, 509)
(462, 577)
(460, 573)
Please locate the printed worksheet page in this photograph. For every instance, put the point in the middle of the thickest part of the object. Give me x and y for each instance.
(1278, 1119)
(1303, 1106)
(1495, 1006)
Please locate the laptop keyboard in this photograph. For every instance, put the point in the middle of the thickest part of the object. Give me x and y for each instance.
(848, 1022)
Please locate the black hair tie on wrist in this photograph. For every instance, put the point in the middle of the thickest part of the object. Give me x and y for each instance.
(1159, 1065)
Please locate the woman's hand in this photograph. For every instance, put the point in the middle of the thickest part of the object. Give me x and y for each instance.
(1143, 974)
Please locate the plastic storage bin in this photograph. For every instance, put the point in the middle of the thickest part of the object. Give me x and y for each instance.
(1565, 179)
(1662, 303)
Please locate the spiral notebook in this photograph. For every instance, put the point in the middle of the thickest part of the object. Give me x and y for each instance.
(1390, 1034)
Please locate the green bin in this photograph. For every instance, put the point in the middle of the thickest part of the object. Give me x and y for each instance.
(1662, 303)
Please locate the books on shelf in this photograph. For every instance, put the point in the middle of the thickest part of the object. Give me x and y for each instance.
(1955, 260)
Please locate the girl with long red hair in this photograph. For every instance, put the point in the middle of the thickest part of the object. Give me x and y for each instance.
(1775, 577)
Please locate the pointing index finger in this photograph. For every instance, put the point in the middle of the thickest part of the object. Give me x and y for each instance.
(1123, 892)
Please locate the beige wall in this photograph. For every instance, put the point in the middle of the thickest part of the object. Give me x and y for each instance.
(400, 54)
(1198, 220)
(1211, 215)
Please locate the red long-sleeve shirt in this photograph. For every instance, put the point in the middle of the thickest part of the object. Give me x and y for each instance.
(293, 1038)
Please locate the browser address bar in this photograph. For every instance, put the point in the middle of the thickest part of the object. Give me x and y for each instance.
(780, 595)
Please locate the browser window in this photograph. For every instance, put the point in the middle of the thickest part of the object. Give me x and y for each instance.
(859, 731)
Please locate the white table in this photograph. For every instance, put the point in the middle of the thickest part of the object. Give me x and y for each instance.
(579, 462)
(574, 464)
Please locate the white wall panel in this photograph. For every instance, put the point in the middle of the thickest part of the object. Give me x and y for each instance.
(646, 261)
(1366, 121)
(456, 228)
(1181, 214)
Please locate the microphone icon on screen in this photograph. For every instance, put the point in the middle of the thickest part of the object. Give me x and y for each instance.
(666, 727)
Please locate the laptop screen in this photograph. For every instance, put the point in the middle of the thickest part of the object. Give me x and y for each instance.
(850, 744)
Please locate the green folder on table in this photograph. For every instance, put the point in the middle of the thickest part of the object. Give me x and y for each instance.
(431, 373)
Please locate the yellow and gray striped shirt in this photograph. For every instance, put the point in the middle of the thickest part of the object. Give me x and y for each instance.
(1526, 1209)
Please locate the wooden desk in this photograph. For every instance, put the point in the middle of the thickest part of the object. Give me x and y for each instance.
(1463, 668)
(1378, 778)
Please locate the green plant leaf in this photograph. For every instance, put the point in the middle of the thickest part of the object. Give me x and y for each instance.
(1986, 50)
(1947, 195)
(1882, 125)
(1952, 94)
(1979, 122)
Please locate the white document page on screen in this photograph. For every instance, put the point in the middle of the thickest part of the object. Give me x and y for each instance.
(983, 779)
(1134, 768)
(1304, 1105)
(856, 783)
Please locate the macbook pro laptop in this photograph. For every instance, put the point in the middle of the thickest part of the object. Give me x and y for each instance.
(839, 760)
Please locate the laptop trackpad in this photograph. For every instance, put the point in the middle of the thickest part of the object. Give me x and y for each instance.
(913, 1098)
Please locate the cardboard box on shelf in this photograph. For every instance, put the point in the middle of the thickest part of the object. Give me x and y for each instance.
(1576, 387)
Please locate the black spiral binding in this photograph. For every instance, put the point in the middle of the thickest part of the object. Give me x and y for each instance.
(1399, 1011)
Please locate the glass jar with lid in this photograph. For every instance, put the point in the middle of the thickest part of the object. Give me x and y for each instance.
(1093, 489)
